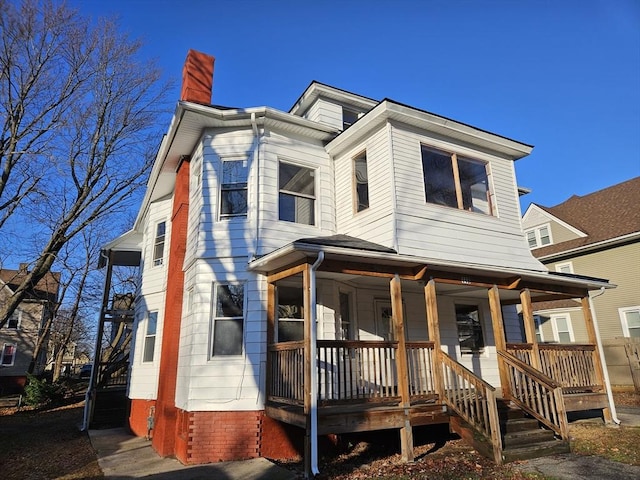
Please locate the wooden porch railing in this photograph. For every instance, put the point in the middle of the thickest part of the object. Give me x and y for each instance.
(350, 371)
(570, 365)
(473, 399)
(536, 393)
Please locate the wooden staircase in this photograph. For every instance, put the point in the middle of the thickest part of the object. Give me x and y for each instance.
(524, 437)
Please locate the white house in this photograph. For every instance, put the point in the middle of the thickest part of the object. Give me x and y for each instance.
(351, 264)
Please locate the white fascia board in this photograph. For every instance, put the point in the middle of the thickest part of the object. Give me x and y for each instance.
(129, 241)
(388, 110)
(185, 130)
(318, 90)
(612, 242)
(552, 218)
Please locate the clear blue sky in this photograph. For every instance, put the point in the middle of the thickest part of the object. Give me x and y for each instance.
(563, 75)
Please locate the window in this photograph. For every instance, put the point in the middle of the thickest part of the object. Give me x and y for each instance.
(8, 355)
(150, 337)
(15, 320)
(456, 182)
(562, 331)
(469, 329)
(539, 320)
(228, 319)
(538, 237)
(361, 181)
(233, 190)
(297, 194)
(630, 317)
(564, 267)
(158, 244)
(349, 117)
(346, 325)
(290, 314)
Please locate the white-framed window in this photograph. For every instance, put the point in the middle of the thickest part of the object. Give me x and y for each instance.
(346, 330)
(15, 320)
(630, 318)
(538, 321)
(361, 182)
(538, 237)
(227, 321)
(349, 117)
(297, 198)
(233, 188)
(562, 328)
(158, 243)
(455, 181)
(469, 323)
(190, 298)
(8, 354)
(566, 267)
(150, 337)
(290, 314)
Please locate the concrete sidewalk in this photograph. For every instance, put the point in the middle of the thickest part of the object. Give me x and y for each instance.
(122, 456)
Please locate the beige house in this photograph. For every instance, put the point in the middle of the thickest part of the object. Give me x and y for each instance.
(18, 337)
(595, 235)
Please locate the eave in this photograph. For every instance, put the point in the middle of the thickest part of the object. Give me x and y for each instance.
(596, 246)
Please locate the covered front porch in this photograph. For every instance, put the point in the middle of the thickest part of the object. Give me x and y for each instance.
(358, 378)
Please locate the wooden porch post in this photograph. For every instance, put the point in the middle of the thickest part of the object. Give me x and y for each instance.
(433, 324)
(498, 334)
(598, 364)
(406, 432)
(530, 327)
(306, 282)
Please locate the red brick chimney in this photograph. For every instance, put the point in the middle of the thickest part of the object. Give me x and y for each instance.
(197, 77)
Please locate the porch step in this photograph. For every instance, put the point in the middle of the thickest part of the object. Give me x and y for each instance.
(528, 436)
(542, 449)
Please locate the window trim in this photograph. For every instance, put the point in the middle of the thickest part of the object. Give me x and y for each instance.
(554, 327)
(356, 196)
(314, 197)
(214, 318)
(147, 336)
(221, 189)
(158, 261)
(455, 159)
(559, 267)
(13, 357)
(623, 318)
(538, 237)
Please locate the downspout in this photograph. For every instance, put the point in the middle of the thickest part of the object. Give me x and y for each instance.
(314, 366)
(605, 370)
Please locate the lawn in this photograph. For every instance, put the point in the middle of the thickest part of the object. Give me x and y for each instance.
(47, 444)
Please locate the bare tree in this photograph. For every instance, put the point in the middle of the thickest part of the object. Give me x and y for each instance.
(77, 109)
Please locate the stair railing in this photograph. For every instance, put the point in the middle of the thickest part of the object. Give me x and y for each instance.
(471, 398)
(536, 394)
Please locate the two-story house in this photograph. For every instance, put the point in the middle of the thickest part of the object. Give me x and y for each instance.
(349, 265)
(19, 336)
(596, 234)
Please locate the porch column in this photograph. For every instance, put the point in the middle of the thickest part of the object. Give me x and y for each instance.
(597, 361)
(530, 327)
(433, 324)
(406, 432)
(499, 337)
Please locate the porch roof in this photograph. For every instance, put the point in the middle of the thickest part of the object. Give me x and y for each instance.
(344, 249)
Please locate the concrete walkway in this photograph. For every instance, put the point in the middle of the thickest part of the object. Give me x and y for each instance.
(122, 456)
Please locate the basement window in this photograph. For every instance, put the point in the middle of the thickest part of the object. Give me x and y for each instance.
(455, 181)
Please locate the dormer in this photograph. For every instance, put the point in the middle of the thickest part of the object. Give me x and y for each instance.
(331, 106)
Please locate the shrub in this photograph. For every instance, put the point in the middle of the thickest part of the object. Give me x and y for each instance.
(39, 391)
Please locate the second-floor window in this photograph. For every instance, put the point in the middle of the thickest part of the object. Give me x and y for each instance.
(233, 190)
(8, 355)
(456, 182)
(158, 243)
(538, 237)
(296, 201)
(361, 182)
(14, 320)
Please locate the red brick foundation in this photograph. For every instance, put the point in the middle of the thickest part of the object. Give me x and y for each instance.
(280, 441)
(138, 416)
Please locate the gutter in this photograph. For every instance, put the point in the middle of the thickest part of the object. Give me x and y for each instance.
(314, 366)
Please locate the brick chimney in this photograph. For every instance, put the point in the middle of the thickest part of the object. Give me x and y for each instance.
(197, 77)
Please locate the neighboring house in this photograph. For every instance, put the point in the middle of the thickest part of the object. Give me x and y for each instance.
(20, 334)
(349, 265)
(596, 235)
